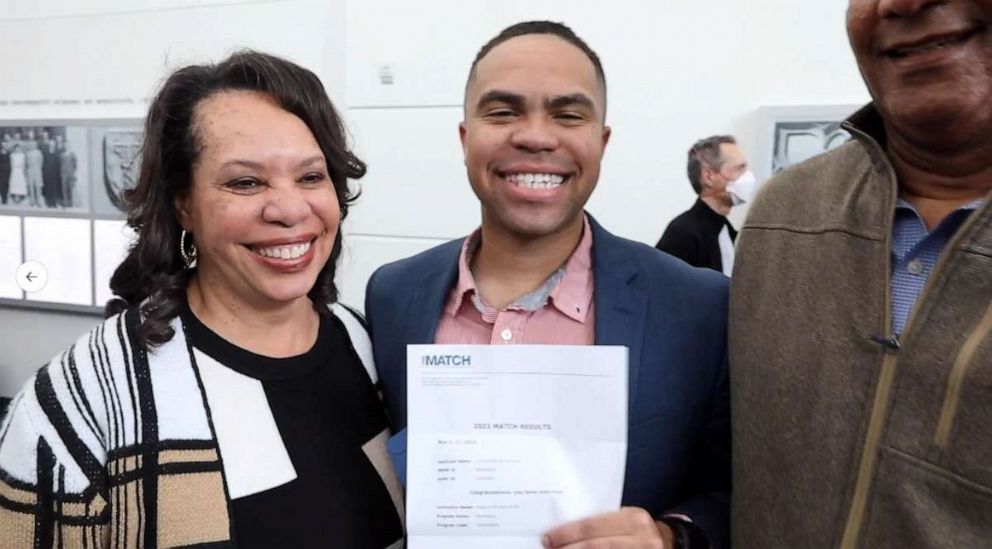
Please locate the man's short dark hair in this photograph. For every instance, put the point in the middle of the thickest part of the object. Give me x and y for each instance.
(542, 27)
(706, 152)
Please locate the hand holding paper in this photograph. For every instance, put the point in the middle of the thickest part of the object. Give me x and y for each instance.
(506, 443)
(628, 527)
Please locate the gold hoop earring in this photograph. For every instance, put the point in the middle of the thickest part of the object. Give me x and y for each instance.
(188, 253)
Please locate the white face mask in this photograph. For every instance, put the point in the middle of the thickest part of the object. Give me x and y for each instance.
(741, 190)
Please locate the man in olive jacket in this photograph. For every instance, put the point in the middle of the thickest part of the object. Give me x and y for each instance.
(861, 306)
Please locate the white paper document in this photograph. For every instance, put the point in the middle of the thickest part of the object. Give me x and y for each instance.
(507, 442)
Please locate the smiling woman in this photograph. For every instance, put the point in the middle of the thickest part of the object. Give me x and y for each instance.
(225, 400)
(264, 218)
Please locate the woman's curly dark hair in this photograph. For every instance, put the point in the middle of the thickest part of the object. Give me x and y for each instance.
(153, 276)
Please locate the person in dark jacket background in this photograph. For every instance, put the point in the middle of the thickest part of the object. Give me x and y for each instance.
(702, 236)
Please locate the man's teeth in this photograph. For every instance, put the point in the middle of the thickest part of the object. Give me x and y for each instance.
(284, 252)
(923, 48)
(536, 180)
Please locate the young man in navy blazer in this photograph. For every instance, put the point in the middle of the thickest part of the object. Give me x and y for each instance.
(540, 270)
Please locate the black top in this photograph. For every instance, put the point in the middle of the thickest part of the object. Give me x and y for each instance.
(326, 409)
(693, 237)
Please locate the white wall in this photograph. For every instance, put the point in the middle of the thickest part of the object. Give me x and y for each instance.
(86, 59)
(105, 57)
(677, 70)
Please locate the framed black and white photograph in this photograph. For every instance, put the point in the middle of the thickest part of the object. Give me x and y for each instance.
(791, 134)
(44, 168)
(61, 210)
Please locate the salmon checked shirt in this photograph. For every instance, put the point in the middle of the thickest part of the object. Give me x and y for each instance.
(560, 312)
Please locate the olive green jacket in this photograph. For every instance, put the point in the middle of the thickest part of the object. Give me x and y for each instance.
(843, 437)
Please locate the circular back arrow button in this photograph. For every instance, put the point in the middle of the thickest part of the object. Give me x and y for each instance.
(31, 276)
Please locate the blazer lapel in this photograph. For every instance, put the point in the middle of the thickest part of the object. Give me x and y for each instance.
(621, 305)
(429, 292)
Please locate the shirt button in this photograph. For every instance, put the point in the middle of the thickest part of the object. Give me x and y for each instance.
(915, 267)
(506, 335)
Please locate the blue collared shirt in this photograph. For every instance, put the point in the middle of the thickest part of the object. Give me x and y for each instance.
(915, 251)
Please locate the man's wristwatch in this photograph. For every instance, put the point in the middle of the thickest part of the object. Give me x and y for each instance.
(685, 533)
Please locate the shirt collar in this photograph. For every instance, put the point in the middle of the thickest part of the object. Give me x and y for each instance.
(571, 293)
(711, 217)
(466, 282)
(905, 208)
(902, 204)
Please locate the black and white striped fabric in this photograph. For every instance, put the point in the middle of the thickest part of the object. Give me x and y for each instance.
(110, 446)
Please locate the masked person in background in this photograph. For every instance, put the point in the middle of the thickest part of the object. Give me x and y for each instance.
(702, 236)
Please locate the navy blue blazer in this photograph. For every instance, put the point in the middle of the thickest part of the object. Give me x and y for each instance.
(671, 317)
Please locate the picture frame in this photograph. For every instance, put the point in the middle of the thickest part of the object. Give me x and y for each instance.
(61, 183)
(794, 133)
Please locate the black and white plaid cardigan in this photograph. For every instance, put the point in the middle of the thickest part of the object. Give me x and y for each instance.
(109, 446)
